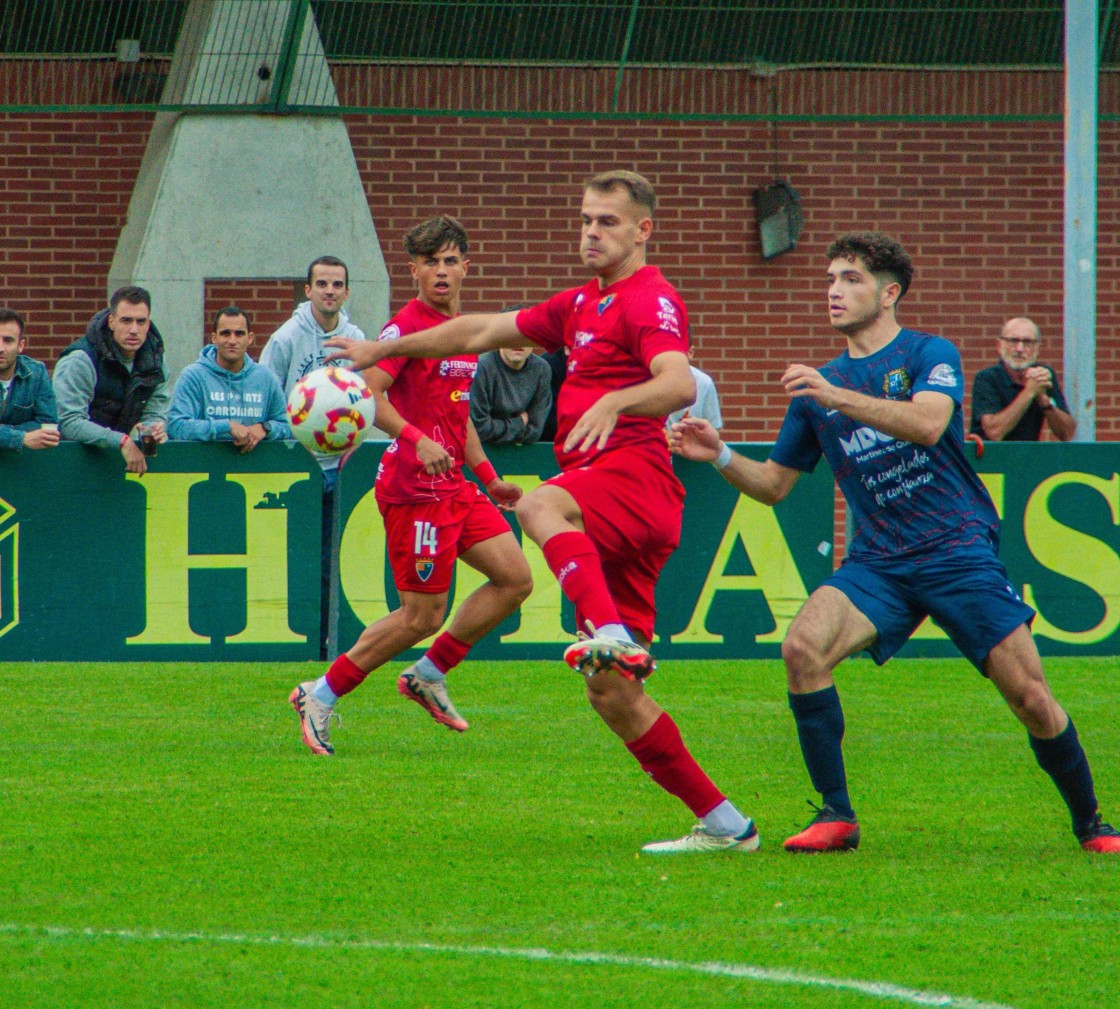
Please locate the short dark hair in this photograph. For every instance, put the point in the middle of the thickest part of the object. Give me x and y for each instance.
(233, 310)
(11, 315)
(328, 261)
(880, 253)
(132, 294)
(638, 186)
(436, 233)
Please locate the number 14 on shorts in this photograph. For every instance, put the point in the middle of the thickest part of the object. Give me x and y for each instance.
(426, 538)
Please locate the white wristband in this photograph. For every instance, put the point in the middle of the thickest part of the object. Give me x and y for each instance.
(723, 460)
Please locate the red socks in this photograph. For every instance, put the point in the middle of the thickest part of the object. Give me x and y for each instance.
(343, 675)
(447, 652)
(666, 759)
(574, 561)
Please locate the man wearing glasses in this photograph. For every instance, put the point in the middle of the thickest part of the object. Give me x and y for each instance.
(1011, 400)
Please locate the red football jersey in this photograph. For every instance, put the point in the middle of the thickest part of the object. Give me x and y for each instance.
(613, 333)
(434, 395)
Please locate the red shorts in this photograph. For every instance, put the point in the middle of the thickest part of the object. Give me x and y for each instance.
(425, 539)
(632, 504)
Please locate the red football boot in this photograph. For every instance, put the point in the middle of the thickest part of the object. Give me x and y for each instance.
(827, 831)
(1102, 838)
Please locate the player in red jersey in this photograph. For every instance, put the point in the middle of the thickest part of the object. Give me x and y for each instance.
(432, 513)
(612, 517)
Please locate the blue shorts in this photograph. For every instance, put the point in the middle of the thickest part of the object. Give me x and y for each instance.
(968, 594)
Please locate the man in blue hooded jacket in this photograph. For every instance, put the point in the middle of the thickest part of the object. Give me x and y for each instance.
(225, 395)
(28, 414)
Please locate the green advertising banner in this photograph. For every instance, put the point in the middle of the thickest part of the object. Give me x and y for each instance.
(216, 555)
(1060, 540)
(211, 554)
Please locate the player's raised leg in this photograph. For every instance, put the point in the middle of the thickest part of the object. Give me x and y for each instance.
(554, 518)
(551, 516)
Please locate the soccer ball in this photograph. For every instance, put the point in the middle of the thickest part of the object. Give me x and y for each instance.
(331, 410)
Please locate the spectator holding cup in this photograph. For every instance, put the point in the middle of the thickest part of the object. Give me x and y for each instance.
(113, 379)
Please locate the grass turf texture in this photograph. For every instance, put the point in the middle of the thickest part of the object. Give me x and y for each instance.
(167, 840)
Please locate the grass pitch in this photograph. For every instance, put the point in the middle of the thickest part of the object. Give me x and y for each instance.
(166, 840)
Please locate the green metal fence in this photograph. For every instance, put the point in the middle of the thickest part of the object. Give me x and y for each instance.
(985, 59)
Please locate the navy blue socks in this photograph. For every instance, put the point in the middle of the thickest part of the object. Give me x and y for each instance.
(1064, 760)
(820, 728)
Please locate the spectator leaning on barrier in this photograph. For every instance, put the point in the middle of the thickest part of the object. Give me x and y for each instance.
(1011, 400)
(28, 415)
(225, 395)
(510, 396)
(296, 350)
(113, 379)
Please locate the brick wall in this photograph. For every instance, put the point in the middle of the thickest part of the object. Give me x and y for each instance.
(978, 205)
(268, 302)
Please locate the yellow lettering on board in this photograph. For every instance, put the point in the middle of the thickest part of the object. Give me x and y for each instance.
(168, 562)
(1074, 554)
(755, 526)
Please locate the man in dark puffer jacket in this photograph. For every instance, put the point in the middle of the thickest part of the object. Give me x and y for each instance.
(113, 378)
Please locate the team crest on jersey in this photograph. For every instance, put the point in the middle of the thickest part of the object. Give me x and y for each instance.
(424, 570)
(390, 332)
(606, 303)
(667, 316)
(944, 375)
(896, 383)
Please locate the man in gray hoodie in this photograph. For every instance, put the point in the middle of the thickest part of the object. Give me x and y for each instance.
(225, 395)
(296, 350)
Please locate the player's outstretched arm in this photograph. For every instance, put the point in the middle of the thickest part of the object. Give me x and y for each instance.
(465, 334)
(768, 482)
(921, 420)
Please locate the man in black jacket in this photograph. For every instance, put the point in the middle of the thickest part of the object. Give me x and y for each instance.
(113, 379)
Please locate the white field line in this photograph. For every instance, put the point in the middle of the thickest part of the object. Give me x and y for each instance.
(766, 975)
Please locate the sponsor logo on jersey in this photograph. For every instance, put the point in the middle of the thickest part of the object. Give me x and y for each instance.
(606, 303)
(454, 368)
(460, 395)
(896, 384)
(424, 569)
(943, 374)
(583, 338)
(390, 332)
(667, 316)
(864, 438)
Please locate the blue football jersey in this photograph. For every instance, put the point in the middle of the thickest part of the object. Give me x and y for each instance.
(904, 499)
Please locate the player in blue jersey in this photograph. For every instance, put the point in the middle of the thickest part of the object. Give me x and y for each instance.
(886, 414)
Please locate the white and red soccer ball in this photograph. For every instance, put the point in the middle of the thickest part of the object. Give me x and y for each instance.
(331, 410)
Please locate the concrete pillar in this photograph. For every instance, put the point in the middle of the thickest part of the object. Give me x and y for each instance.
(228, 195)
